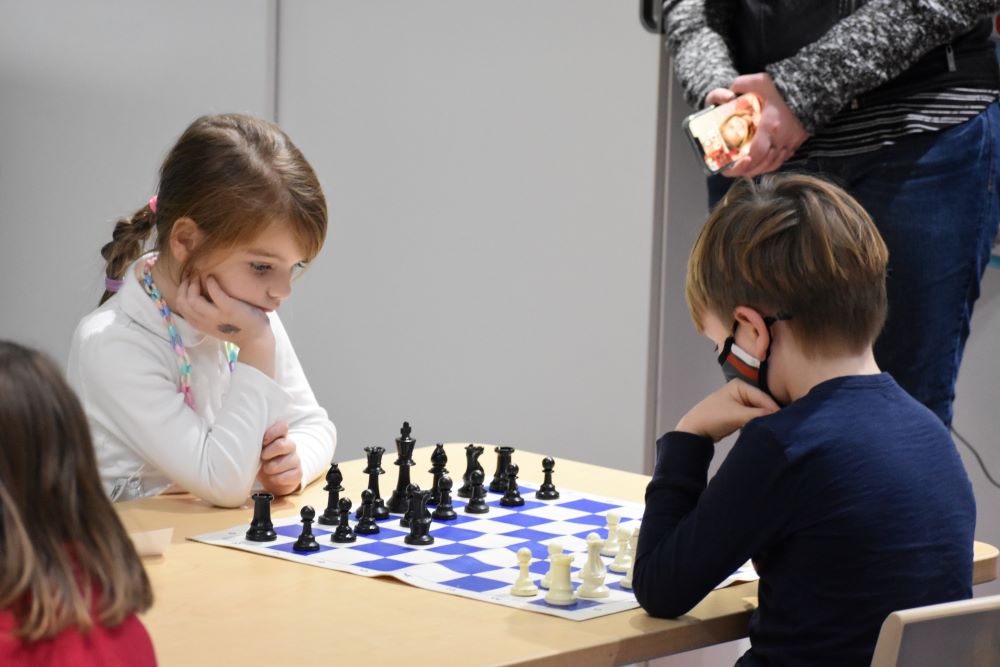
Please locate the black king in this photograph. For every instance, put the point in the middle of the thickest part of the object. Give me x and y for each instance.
(404, 450)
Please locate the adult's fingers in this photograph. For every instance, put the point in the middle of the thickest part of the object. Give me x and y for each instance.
(718, 96)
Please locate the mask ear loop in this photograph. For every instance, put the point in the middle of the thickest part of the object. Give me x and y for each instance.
(765, 362)
(728, 345)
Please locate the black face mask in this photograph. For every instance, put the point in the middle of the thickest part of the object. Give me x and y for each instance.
(738, 363)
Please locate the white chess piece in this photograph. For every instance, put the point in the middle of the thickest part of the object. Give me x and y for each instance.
(523, 585)
(593, 571)
(560, 589)
(610, 546)
(626, 582)
(554, 549)
(623, 559)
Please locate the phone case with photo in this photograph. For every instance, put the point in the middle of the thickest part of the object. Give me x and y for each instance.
(721, 135)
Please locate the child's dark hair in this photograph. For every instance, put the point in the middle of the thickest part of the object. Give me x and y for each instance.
(233, 175)
(796, 244)
(61, 542)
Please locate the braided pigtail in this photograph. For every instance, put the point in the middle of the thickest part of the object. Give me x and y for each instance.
(126, 245)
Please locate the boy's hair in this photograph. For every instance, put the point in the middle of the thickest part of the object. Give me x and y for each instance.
(61, 542)
(233, 175)
(798, 245)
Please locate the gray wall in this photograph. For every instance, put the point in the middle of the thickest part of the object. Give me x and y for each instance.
(490, 173)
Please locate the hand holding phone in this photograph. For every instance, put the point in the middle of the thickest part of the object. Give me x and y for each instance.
(721, 135)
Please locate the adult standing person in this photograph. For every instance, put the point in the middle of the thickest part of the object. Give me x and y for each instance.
(897, 101)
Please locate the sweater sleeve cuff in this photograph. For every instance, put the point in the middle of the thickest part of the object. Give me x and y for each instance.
(682, 452)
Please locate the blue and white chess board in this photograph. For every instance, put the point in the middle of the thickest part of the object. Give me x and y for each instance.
(475, 555)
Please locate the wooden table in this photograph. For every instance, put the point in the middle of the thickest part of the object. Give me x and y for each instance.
(223, 606)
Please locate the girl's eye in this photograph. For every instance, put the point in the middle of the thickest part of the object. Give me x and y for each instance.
(260, 268)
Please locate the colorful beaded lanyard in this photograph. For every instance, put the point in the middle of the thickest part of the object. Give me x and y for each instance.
(232, 350)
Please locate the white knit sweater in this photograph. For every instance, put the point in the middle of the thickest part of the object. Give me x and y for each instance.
(146, 438)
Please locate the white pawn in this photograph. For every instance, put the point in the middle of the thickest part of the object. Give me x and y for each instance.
(623, 559)
(593, 570)
(560, 589)
(554, 549)
(610, 546)
(523, 585)
(626, 582)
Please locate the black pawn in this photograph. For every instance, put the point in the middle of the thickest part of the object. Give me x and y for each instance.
(366, 526)
(547, 491)
(420, 523)
(438, 460)
(343, 533)
(334, 477)
(477, 504)
(306, 541)
(499, 483)
(512, 497)
(444, 510)
(404, 449)
(408, 514)
(472, 454)
(261, 528)
(374, 469)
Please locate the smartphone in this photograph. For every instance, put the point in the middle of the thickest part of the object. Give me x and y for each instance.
(721, 135)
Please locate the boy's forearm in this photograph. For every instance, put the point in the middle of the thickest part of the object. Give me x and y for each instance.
(680, 476)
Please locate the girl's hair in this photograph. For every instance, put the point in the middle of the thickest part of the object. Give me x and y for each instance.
(61, 542)
(799, 245)
(233, 175)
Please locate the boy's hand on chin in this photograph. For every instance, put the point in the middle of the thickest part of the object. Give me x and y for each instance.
(726, 410)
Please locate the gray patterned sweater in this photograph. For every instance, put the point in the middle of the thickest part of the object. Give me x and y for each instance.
(867, 48)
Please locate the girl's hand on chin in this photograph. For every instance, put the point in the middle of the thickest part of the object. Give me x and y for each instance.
(220, 315)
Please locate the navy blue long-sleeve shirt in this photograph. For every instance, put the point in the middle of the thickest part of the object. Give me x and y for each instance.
(852, 501)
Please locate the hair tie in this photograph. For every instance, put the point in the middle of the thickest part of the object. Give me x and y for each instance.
(113, 285)
(152, 203)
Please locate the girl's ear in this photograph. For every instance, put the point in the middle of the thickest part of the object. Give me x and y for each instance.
(185, 236)
(752, 335)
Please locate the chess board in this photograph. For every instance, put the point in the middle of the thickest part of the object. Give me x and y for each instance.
(473, 556)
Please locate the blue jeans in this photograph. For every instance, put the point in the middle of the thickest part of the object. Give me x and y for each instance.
(934, 198)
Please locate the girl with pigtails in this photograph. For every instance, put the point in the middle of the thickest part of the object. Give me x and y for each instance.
(187, 376)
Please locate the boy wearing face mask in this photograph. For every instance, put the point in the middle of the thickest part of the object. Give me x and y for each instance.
(846, 492)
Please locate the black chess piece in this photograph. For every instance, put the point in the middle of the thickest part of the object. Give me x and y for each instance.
(306, 541)
(404, 449)
(366, 525)
(499, 483)
(344, 533)
(407, 517)
(512, 496)
(477, 504)
(420, 523)
(261, 528)
(374, 470)
(334, 477)
(438, 460)
(547, 491)
(472, 454)
(444, 510)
